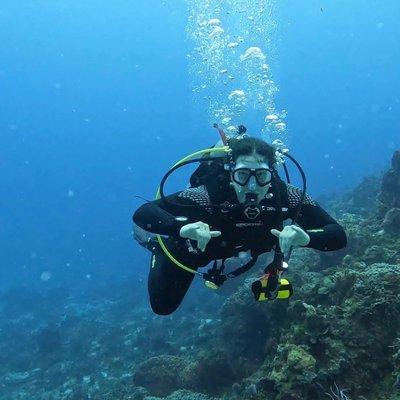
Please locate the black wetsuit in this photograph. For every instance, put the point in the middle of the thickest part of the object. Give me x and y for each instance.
(168, 283)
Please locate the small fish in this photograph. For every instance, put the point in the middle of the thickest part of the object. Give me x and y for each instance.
(322, 10)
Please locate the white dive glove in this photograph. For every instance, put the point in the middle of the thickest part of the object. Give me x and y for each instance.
(200, 232)
(291, 236)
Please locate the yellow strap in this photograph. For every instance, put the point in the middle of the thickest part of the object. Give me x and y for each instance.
(263, 297)
(283, 294)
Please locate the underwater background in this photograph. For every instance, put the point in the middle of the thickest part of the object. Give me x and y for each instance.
(98, 100)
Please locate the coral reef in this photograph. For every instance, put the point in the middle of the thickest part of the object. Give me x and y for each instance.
(389, 196)
(162, 375)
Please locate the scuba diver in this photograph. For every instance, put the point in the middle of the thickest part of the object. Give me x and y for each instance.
(236, 203)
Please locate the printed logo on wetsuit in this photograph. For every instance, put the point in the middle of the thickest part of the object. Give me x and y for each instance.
(248, 224)
(252, 212)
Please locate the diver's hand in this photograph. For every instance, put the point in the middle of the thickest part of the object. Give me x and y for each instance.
(291, 236)
(200, 232)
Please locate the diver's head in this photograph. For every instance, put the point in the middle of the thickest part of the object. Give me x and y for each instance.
(252, 169)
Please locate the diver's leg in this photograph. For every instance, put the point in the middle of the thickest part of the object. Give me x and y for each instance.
(167, 283)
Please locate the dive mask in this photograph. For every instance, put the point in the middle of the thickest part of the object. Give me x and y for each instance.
(241, 176)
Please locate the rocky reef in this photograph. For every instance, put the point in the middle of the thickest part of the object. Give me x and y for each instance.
(337, 338)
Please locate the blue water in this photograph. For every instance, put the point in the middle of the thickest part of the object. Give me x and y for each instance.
(96, 103)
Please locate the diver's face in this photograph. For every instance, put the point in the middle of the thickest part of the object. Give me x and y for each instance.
(245, 182)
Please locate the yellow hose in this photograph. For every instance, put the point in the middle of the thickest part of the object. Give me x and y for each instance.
(160, 240)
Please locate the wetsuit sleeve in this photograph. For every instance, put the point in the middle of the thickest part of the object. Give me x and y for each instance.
(153, 218)
(324, 231)
(159, 217)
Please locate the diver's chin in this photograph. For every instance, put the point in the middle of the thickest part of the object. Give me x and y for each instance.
(251, 198)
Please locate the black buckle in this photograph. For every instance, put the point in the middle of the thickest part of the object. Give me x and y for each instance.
(215, 274)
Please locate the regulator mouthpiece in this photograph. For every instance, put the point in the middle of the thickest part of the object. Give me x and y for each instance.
(251, 198)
